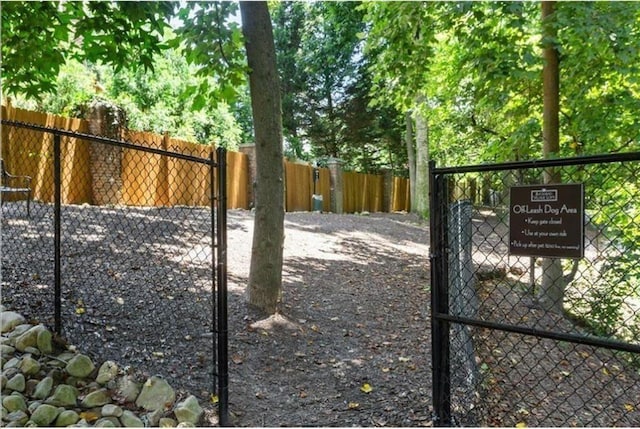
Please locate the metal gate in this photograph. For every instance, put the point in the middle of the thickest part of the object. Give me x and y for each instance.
(504, 352)
(156, 221)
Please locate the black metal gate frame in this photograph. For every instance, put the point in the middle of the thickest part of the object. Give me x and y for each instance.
(218, 198)
(440, 317)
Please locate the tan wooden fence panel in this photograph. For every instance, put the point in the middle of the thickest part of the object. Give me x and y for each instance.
(237, 180)
(30, 153)
(189, 182)
(144, 175)
(362, 192)
(401, 197)
(299, 185)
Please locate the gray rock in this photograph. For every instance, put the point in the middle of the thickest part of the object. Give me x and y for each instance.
(29, 338)
(14, 402)
(18, 416)
(107, 372)
(29, 366)
(7, 350)
(185, 425)
(31, 386)
(188, 411)
(130, 420)
(153, 418)
(9, 320)
(19, 330)
(156, 394)
(111, 410)
(45, 341)
(166, 422)
(33, 350)
(82, 423)
(45, 414)
(10, 372)
(96, 399)
(128, 389)
(80, 366)
(43, 388)
(16, 383)
(33, 405)
(67, 418)
(11, 363)
(3, 381)
(106, 422)
(63, 396)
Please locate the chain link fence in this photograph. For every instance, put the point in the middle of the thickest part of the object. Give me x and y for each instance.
(521, 337)
(122, 251)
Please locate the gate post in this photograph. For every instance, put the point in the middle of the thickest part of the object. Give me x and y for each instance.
(439, 300)
(221, 292)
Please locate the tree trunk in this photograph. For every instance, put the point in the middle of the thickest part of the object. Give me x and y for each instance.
(411, 159)
(551, 292)
(265, 275)
(422, 161)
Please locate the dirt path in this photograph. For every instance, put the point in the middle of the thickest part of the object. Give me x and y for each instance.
(355, 317)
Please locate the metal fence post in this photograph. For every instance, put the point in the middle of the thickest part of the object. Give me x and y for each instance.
(221, 273)
(439, 301)
(463, 302)
(57, 182)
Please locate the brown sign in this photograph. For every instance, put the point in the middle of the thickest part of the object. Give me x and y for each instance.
(547, 220)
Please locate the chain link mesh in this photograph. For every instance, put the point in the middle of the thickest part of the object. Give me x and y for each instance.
(503, 377)
(137, 259)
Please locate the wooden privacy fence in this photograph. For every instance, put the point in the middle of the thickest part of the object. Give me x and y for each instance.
(300, 187)
(165, 181)
(100, 175)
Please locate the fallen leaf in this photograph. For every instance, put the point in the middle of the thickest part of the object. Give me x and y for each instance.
(628, 407)
(237, 359)
(89, 416)
(521, 425)
(386, 369)
(366, 388)
(605, 371)
(157, 354)
(404, 359)
(303, 394)
(80, 310)
(214, 398)
(353, 405)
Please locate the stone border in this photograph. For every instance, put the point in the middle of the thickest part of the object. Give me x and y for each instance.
(47, 383)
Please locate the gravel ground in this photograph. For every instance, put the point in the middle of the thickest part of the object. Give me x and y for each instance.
(350, 348)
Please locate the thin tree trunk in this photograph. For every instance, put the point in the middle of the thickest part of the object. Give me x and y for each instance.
(422, 161)
(265, 275)
(411, 159)
(551, 292)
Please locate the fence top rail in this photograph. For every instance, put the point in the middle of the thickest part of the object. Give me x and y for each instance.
(109, 141)
(539, 163)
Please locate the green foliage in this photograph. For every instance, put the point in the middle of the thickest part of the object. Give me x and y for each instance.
(326, 88)
(214, 43)
(39, 37)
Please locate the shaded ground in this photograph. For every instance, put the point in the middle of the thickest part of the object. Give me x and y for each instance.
(136, 289)
(352, 346)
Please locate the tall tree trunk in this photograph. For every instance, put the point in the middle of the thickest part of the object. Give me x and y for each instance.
(551, 292)
(422, 160)
(265, 275)
(411, 159)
